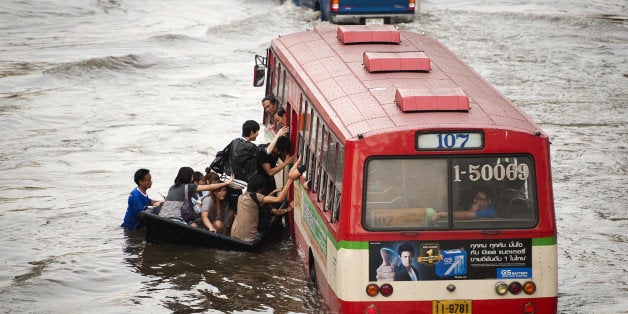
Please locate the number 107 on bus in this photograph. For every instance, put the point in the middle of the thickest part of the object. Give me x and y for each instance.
(450, 140)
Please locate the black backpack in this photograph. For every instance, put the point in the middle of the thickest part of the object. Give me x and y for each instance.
(222, 158)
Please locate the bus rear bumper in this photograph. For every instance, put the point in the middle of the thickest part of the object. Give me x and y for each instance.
(539, 305)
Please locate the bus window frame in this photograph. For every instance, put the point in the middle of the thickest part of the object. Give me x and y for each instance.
(450, 223)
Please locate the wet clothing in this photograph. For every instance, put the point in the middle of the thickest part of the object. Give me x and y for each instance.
(247, 218)
(136, 204)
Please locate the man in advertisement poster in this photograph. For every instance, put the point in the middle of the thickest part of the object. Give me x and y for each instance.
(403, 272)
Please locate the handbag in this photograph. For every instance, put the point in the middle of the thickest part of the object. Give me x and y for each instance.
(187, 211)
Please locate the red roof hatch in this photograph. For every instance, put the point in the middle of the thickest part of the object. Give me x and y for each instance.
(348, 34)
(396, 61)
(437, 99)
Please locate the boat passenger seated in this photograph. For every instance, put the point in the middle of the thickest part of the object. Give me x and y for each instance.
(175, 206)
(215, 215)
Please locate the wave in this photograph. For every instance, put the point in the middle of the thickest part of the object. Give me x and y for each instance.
(173, 39)
(97, 66)
(22, 68)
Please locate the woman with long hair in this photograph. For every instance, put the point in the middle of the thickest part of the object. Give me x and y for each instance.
(215, 213)
(176, 205)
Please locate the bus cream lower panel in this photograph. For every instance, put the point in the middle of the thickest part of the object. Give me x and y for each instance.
(544, 269)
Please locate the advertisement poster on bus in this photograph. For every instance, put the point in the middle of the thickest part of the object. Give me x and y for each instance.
(459, 260)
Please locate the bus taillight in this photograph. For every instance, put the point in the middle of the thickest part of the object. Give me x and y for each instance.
(529, 308)
(411, 5)
(372, 290)
(386, 289)
(515, 287)
(372, 309)
(335, 5)
(529, 287)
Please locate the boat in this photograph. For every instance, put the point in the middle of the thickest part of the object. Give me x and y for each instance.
(163, 230)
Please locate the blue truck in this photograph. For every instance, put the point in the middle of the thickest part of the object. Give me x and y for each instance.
(363, 11)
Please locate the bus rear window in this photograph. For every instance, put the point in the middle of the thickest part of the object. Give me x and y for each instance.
(495, 192)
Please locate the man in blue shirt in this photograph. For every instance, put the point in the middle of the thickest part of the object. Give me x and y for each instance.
(482, 208)
(138, 200)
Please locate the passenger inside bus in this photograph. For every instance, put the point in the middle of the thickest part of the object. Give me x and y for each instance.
(270, 105)
(280, 118)
(482, 207)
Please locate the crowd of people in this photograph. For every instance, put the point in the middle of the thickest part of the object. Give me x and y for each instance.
(205, 201)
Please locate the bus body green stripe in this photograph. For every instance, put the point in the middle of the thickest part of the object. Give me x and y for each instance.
(544, 241)
(364, 245)
(352, 245)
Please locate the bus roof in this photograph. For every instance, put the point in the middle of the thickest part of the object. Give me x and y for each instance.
(356, 101)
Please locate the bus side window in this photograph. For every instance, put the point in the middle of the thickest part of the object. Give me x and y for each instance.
(335, 211)
(321, 151)
(312, 162)
(330, 166)
(340, 154)
(281, 96)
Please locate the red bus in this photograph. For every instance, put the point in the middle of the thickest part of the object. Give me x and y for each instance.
(430, 191)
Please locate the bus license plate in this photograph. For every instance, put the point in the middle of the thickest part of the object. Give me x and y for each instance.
(451, 307)
(376, 21)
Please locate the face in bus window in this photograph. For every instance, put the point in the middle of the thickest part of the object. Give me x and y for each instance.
(481, 201)
(280, 118)
(269, 107)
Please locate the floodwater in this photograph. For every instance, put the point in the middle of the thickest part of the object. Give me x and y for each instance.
(92, 90)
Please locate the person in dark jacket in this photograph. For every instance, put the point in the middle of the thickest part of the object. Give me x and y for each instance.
(243, 158)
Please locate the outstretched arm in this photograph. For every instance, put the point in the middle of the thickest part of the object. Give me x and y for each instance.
(279, 198)
(273, 171)
(279, 134)
(213, 186)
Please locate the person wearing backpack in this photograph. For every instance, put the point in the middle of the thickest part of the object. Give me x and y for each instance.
(243, 153)
(178, 204)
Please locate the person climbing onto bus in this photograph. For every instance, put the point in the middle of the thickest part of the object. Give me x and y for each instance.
(482, 207)
(246, 222)
(242, 161)
(267, 163)
(138, 200)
